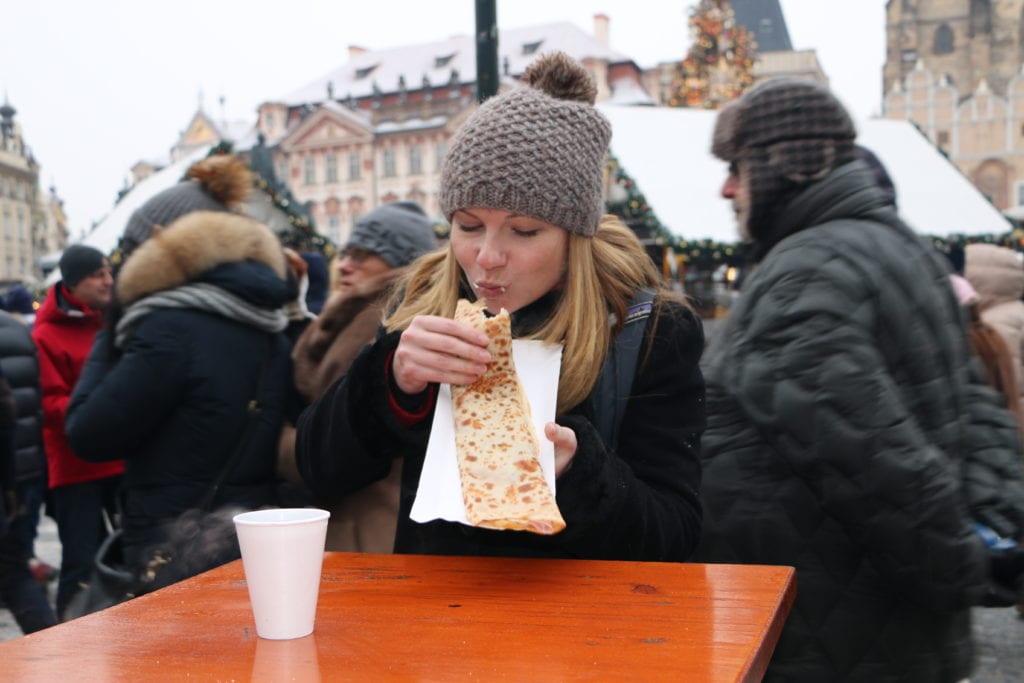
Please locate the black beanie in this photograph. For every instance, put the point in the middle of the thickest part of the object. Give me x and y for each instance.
(79, 262)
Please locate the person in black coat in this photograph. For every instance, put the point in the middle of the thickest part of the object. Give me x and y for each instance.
(837, 399)
(19, 590)
(528, 236)
(166, 387)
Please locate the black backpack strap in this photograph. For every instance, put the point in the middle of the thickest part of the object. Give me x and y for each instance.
(616, 380)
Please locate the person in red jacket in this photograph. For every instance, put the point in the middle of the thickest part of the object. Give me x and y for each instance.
(80, 491)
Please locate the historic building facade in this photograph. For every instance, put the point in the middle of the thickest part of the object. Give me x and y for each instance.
(954, 67)
(32, 223)
(375, 130)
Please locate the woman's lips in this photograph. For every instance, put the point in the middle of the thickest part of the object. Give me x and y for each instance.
(489, 289)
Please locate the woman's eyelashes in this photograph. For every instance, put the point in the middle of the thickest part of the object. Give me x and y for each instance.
(521, 232)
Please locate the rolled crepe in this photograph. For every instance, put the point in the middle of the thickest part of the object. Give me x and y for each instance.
(503, 486)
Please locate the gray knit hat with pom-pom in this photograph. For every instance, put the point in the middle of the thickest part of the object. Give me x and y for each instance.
(218, 183)
(537, 150)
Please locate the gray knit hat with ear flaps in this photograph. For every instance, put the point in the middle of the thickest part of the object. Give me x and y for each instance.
(537, 150)
(788, 133)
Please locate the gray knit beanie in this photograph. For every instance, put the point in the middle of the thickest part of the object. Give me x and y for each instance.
(217, 183)
(790, 133)
(398, 232)
(537, 150)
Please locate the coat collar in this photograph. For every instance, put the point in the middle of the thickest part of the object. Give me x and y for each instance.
(192, 245)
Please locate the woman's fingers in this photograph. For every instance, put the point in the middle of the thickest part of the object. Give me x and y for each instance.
(564, 440)
(439, 350)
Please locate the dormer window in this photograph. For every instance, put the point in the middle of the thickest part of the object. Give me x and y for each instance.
(365, 71)
(443, 60)
(531, 48)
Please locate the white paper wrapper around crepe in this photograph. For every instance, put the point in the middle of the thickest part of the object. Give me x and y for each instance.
(439, 495)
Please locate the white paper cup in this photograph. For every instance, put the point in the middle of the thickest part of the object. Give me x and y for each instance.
(282, 553)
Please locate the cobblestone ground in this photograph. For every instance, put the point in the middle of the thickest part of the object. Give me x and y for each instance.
(998, 632)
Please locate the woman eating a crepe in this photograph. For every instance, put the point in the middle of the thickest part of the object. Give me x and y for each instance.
(522, 185)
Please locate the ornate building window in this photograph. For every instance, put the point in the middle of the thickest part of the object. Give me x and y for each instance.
(439, 150)
(354, 165)
(308, 171)
(415, 160)
(332, 168)
(981, 17)
(389, 163)
(943, 40)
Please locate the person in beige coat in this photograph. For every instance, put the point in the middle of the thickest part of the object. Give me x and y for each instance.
(997, 274)
(382, 243)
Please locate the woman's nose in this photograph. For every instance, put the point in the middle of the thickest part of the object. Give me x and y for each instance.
(491, 254)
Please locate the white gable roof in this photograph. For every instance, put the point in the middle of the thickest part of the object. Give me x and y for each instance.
(667, 152)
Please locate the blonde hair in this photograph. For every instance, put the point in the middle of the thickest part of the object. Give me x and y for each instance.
(602, 274)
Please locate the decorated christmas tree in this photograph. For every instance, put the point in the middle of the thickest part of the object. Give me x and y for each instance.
(720, 63)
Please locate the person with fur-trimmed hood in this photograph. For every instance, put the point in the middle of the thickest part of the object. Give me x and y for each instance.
(837, 406)
(196, 335)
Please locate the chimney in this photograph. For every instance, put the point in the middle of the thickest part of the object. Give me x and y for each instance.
(601, 29)
(354, 51)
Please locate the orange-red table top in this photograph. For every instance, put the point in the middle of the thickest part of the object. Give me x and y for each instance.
(432, 618)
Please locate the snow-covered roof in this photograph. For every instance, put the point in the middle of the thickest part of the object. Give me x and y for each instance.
(435, 61)
(667, 152)
(627, 91)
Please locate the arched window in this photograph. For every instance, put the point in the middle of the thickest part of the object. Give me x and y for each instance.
(943, 40)
(981, 17)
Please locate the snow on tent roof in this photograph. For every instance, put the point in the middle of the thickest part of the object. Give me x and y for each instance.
(667, 152)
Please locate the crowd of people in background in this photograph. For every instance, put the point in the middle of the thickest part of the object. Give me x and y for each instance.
(857, 415)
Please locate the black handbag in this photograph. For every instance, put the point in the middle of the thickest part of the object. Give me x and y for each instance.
(113, 581)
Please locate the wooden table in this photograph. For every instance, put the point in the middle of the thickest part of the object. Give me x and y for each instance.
(408, 617)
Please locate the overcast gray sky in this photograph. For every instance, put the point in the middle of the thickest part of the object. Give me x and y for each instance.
(99, 85)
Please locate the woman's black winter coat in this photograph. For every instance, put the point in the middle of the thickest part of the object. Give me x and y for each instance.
(637, 502)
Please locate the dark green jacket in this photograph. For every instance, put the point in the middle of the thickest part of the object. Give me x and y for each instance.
(837, 425)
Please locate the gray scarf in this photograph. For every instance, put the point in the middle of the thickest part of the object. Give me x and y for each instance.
(202, 297)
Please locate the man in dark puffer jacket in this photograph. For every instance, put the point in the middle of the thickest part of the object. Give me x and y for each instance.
(837, 406)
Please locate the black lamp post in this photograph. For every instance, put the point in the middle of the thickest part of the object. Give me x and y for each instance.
(486, 49)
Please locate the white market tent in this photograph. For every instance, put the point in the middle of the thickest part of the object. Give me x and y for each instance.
(667, 152)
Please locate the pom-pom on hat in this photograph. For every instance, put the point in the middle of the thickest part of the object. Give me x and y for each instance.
(537, 150)
(217, 183)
